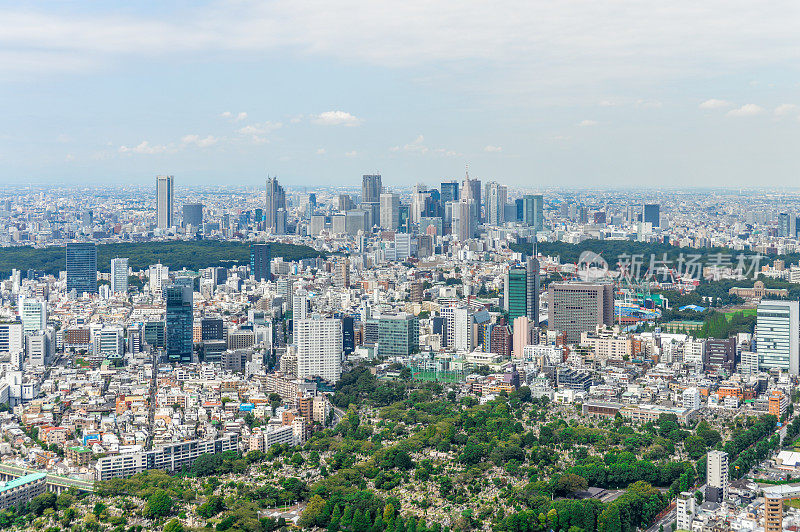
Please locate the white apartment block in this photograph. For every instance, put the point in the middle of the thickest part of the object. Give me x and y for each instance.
(319, 348)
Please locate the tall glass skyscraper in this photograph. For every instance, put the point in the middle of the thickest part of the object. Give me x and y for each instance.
(260, 259)
(179, 323)
(449, 191)
(652, 214)
(193, 215)
(533, 211)
(521, 291)
(82, 267)
(777, 325)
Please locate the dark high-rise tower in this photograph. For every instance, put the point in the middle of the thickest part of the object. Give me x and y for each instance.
(193, 214)
(652, 214)
(276, 200)
(260, 259)
(82, 267)
(521, 291)
(449, 191)
(371, 188)
(179, 323)
(533, 211)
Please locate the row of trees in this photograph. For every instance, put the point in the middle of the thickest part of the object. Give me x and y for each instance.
(191, 254)
(638, 506)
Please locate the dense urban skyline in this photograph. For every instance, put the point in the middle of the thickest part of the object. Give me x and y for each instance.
(306, 266)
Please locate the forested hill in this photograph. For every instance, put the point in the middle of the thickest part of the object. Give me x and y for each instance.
(175, 254)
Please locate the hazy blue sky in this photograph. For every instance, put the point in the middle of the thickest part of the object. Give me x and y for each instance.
(581, 92)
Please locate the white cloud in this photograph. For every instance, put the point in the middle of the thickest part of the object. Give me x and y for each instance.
(786, 109)
(748, 109)
(714, 103)
(587, 123)
(353, 153)
(336, 118)
(145, 148)
(418, 146)
(237, 117)
(260, 129)
(196, 140)
(579, 39)
(492, 149)
(257, 133)
(648, 104)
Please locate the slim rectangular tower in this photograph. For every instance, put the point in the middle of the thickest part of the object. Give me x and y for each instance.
(165, 201)
(82, 267)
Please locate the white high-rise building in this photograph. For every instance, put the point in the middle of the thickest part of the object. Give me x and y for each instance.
(159, 274)
(319, 348)
(11, 338)
(33, 314)
(300, 305)
(691, 398)
(686, 510)
(108, 342)
(41, 348)
(496, 199)
(165, 201)
(390, 210)
(119, 275)
(777, 336)
(402, 246)
(748, 363)
(458, 328)
(717, 475)
(464, 216)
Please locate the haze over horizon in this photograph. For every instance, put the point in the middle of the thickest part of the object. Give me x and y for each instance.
(537, 94)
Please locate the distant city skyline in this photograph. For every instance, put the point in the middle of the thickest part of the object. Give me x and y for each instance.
(683, 95)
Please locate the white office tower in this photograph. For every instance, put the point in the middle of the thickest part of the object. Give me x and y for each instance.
(390, 210)
(686, 510)
(40, 347)
(300, 305)
(694, 354)
(716, 476)
(691, 398)
(108, 342)
(33, 314)
(16, 280)
(496, 198)
(748, 363)
(159, 274)
(777, 336)
(402, 246)
(11, 338)
(464, 220)
(317, 224)
(319, 348)
(286, 291)
(458, 328)
(119, 275)
(165, 202)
